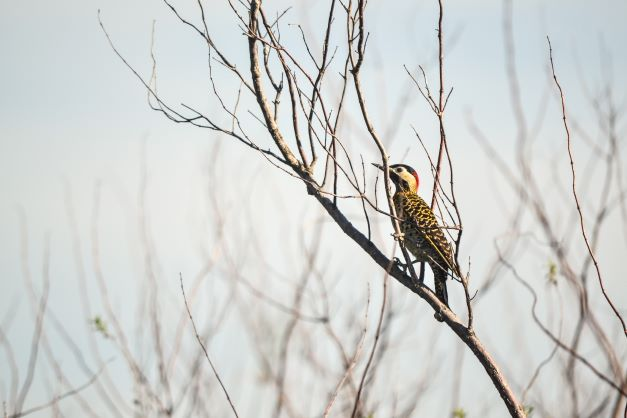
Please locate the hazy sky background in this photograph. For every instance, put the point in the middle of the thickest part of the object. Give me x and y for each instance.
(72, 115)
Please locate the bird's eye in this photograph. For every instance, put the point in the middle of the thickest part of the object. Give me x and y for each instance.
(399, 170)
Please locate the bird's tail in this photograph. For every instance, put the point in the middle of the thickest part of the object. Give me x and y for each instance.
(439, 276)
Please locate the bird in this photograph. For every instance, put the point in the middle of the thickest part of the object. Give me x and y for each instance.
(421, 233)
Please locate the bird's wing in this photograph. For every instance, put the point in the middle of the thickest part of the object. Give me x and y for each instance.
(417, 212)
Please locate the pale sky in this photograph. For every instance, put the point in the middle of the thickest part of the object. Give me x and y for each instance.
(72, 115)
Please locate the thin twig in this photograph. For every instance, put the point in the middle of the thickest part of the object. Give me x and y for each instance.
(544, 329)
(57, 398)
(215, 372)
(440, 107)
(374, 345)
(32, 361)
(350, 366)
(574, 189)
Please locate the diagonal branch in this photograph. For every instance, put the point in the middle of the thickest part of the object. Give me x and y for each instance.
(204, 349)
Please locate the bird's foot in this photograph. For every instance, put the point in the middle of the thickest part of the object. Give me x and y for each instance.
(398, 263)
(399, 236)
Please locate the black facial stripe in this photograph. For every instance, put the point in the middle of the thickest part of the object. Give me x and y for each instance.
(406, 167)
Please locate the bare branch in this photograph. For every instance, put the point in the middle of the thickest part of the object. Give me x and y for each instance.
(377, 334)
(215, 372)
(58, 398)
(574, 189)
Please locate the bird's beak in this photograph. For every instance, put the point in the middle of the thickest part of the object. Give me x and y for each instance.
(379, 166)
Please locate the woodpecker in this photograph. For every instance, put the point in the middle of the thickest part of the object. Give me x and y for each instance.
(422, 235)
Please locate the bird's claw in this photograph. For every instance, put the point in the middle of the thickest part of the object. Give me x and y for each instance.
(398, 237)
(400, 264)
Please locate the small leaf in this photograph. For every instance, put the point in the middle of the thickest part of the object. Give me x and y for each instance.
(459, 413)
(528, 410)
(100, 326)
(551, 274)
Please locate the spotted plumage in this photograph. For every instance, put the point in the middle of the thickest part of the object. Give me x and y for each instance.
(422, 235)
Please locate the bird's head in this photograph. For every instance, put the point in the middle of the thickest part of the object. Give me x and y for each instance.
(403, 176)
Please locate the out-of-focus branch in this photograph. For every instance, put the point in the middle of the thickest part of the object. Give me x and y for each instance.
(555, 339)
(104, 385)
(10, 354)
(351, 365)
(311, 255)
(37, 334)
(215, 372)
(58, 398)
(121, 339)
(356, 406)
(576, 197)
